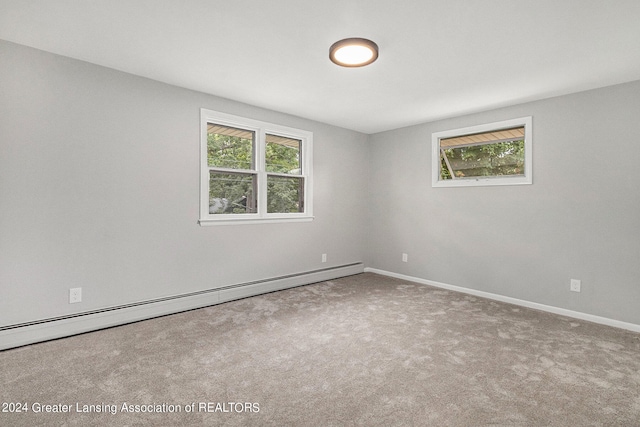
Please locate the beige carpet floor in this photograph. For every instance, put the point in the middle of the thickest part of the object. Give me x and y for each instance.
(364, 350)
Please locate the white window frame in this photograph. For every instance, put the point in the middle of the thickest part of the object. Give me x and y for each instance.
(261, 129)
(527, 178)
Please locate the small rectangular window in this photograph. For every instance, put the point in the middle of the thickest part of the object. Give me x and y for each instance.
(491, 154)
(253, 171)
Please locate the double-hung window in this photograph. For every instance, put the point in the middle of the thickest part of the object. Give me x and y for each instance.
(253, 171)
(491, 154)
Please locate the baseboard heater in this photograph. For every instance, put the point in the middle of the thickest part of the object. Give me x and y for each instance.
(57, 327)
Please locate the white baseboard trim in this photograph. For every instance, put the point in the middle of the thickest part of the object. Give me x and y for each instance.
(523, 303)
(48, 329)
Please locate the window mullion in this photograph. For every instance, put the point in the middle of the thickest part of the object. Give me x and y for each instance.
(261, 168)
(228, 170)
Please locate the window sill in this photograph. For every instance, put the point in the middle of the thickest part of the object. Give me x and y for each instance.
(483, 181)
(237, 221)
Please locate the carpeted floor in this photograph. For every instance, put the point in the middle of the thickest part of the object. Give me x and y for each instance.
(364, 350)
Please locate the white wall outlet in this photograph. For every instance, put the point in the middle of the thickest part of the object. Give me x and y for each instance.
(324, 257)
(575, 285)
(75, 295)
(405, 258)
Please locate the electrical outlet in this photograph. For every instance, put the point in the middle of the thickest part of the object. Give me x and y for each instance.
(575, 285)
(75, 295)
(324, 257)
(405, 258)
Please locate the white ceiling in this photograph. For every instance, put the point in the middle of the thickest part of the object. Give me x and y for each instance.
(438, 58)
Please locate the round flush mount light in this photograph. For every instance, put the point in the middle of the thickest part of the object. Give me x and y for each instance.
(353, 52)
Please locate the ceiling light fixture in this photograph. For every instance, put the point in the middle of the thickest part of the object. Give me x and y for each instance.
(353, 52)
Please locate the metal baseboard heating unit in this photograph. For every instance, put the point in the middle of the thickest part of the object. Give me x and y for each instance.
(62, 326)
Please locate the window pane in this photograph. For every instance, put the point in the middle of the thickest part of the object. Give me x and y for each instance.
(285, 194)
(232, 193)
(229, 147)
(283, 155)
(497, 159)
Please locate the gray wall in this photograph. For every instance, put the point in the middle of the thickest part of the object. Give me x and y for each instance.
(580, 218)
(99, 176)
(99, 182)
